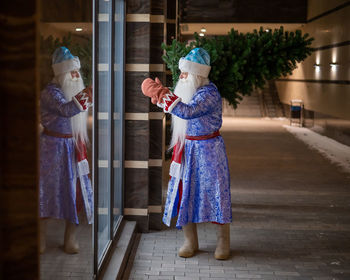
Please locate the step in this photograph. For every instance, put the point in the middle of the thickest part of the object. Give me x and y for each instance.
(120, 252)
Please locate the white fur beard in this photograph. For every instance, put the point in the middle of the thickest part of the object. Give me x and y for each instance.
(70, 88)
(185, 88)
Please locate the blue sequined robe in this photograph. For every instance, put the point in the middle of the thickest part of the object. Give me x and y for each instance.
(58, 166)
(205, 173)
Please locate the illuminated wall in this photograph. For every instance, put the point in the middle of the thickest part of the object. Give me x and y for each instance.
(322, 81)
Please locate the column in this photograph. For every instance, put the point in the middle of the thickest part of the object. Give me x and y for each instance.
(143, 120)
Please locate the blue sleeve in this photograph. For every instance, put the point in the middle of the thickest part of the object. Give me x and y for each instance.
(55, 101)
(204, 102)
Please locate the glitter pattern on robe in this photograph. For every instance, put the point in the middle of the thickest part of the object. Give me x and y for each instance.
(206, 178)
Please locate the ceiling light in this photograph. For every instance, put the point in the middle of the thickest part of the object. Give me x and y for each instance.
(78, 29)
(201, 34)
(203, 30)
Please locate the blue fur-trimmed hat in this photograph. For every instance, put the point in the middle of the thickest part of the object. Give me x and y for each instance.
(63, 61)
(197, 62)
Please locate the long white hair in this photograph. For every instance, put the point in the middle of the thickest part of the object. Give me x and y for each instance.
(185, 88)
(70, 87)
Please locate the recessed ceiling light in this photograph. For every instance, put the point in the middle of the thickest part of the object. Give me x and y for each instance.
(203, 30)
(78, 29)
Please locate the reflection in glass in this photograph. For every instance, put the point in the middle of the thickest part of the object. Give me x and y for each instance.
(104, 125)
(66, 206)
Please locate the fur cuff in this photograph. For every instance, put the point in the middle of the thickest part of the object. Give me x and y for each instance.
(82, 101)
(170, 101)
(194, 67)
(66, 66)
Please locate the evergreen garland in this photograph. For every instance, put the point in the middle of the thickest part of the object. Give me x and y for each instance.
(243, 62)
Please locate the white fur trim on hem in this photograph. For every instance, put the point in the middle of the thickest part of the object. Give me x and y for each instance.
(83, 167)
(175, 170)
(66, 66)
(194, 67)
(173, 192)
(88, 209)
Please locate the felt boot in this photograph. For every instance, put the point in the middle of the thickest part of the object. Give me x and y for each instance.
(42, 235)
(71, 245)
(222, 251)
(190, 245)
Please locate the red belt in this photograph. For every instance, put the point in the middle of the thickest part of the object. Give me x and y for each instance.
(56, 134)
(203, 137)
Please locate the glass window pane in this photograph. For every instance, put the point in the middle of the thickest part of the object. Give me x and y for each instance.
(103, 129)
(108, 130)
(103, 92)
(118, 108)
(103, 206)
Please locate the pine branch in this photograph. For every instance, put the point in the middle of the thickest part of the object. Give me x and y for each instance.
(243, 62)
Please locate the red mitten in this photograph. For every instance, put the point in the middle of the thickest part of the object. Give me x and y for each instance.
(163, 93)
(154, 89)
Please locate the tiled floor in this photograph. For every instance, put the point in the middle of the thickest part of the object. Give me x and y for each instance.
(55, 264)
(291, 211)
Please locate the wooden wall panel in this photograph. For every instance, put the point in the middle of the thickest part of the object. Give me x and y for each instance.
(143, 134)
(138, 7)
(135, 101)
(19, 147)
(136, 180)
(136, 140)
(242, 11)
(66, 11)
(138, 42)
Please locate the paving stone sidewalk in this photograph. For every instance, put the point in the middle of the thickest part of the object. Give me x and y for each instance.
(291, 211)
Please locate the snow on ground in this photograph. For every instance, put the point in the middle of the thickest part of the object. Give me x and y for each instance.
(337, 152)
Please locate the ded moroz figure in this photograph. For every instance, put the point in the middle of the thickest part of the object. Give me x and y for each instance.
(65, 186)
(199, 188)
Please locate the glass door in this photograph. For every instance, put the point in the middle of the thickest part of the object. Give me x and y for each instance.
(108, 130)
